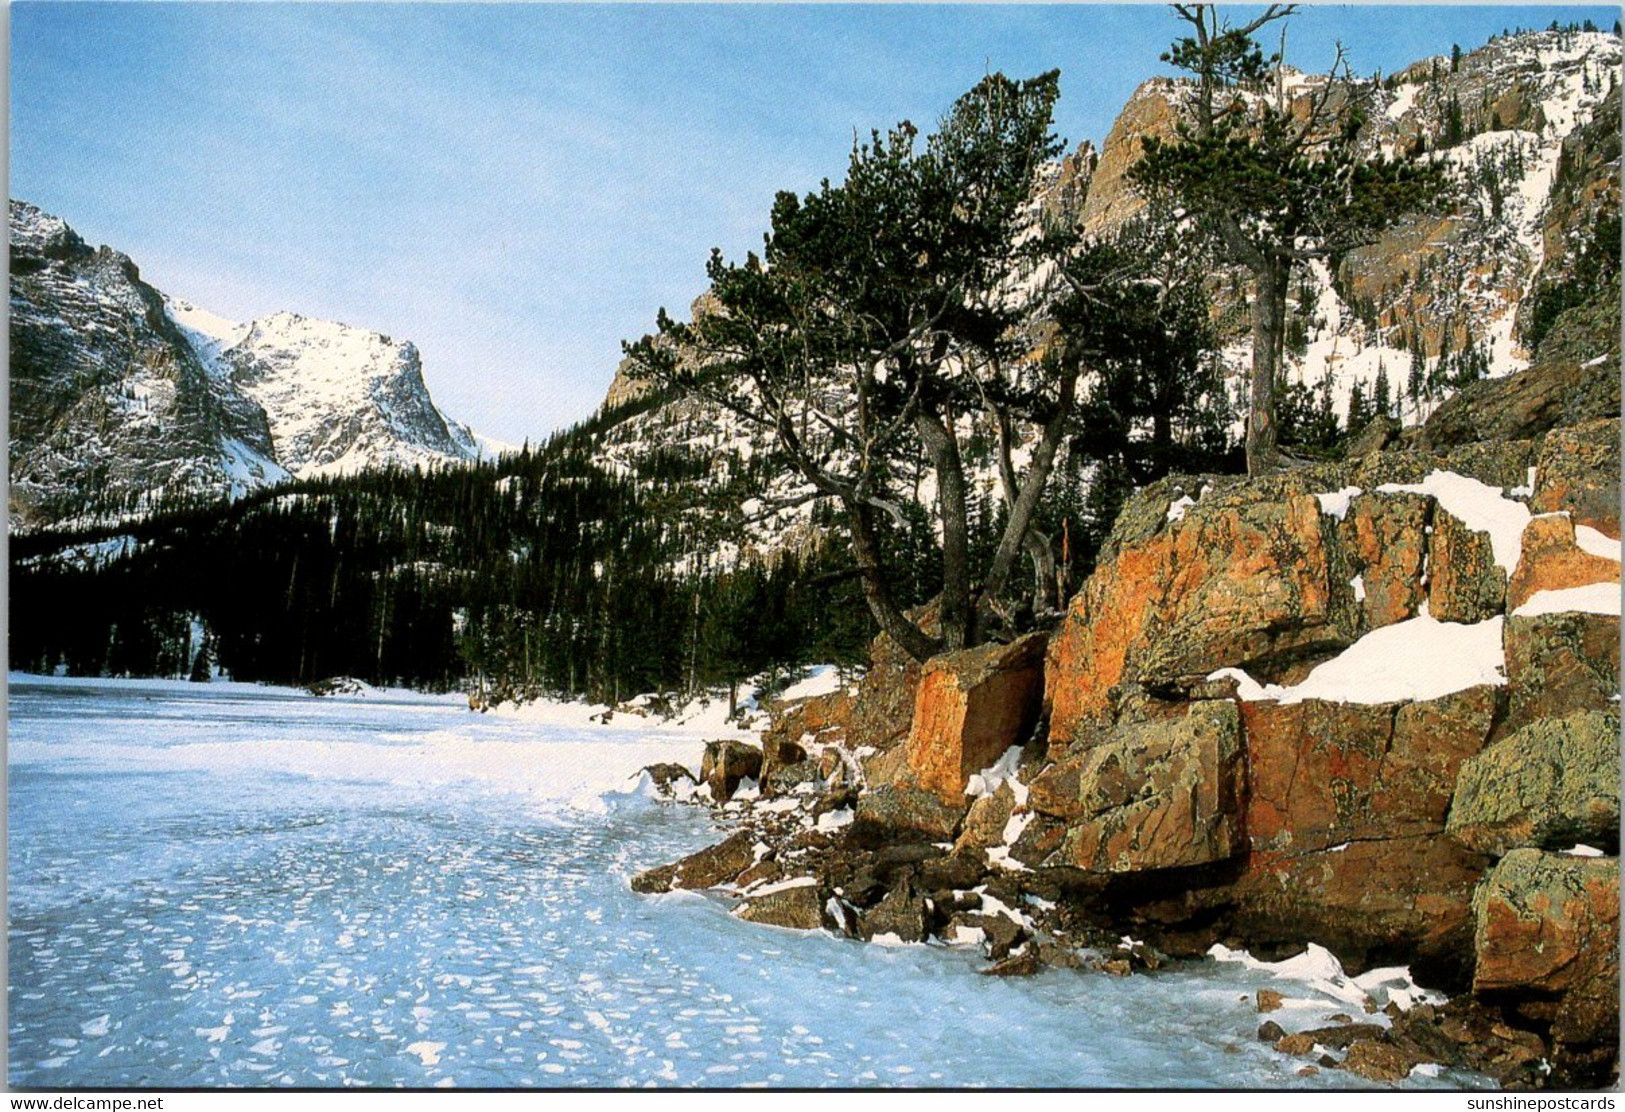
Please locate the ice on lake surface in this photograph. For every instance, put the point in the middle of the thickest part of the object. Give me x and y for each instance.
(239, 887)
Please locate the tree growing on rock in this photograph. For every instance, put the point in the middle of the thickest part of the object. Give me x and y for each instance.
(1274, 181)
(886, 319)
(1154, 401)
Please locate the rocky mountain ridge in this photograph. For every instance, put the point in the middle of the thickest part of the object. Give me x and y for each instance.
(123, 399)
(338, 398)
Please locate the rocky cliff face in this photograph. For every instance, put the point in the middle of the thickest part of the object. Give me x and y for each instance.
(340, 399)
(121, 397)
(1527, 126)
(110, 406)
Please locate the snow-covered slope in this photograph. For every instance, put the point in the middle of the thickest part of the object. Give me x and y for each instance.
(338, 399)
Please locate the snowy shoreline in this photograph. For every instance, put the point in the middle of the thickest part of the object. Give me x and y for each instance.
(703, 716)
(403, 852)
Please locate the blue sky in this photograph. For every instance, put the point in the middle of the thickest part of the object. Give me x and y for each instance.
(517, 188)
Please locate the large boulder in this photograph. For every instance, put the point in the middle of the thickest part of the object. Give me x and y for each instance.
(901, 914)
(1519, 406)
(706, 868)
(825, 719)
(1465, 584)
(1345, 815)
(1324, 773)
(1560, 663)
(1552, 560)
(1387, 538)
(901, 815)
(725, 763)
(970, 707)
(1579, 472)
(1550, 785)
(1496, 463)
(1547, 937)
(797, 904)
(1242, 578)
(1405, 900)
(1159, 795)
(887, 769)
(665, 775)
(884, 707)
(986, 821)
(778, 754)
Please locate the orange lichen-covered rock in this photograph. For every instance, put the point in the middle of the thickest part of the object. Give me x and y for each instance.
(1324, 773)
(1386, 534)
(883, 708)
(1552, 559)
(825, 719)
(1252, 584)
(1578, 471)
(1538, 917)
(1365, 901)
(969, 708)
(1546, 940)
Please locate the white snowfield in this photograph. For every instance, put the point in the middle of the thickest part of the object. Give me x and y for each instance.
(589, 759)
(338, 399)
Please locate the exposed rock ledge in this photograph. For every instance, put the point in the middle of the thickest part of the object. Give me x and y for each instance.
(1374, 706)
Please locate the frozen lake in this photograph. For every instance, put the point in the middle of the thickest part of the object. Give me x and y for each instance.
(225, 885)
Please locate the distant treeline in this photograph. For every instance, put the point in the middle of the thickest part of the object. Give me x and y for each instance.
(541, 572)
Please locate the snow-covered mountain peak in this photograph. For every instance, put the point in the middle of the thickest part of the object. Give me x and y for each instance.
(208, 333)
(122, 395)
(339, 398)
(302, 371)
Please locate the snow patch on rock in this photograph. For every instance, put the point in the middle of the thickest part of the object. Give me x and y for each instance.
(1419, 659)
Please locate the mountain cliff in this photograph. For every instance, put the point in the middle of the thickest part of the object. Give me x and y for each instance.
(110, 408)
(1526, 128)
(338, 398)
(123, 399)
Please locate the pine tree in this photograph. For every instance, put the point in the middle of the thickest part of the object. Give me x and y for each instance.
(1454, 129)
(1358, 416)
(1381, 402)
(908, 316)
(1275, 188)
(202, 664)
